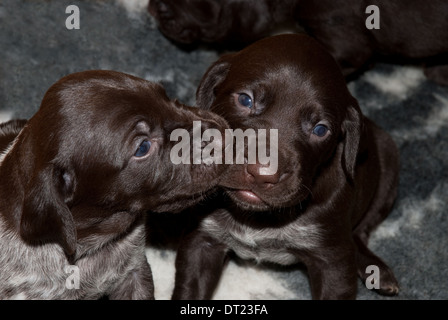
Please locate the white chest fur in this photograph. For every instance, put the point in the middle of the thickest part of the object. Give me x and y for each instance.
(43, 272)
(279, 245)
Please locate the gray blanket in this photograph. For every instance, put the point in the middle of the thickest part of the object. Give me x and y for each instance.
(36, 49)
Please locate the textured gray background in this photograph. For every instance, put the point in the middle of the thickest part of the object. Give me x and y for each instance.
(36, 50)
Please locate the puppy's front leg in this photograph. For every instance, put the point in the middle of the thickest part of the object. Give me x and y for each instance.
(199, 263)
(334, 277)
(137, 285)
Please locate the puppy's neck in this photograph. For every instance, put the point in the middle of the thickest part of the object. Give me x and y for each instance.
(11, 193)
(11, 185)
(97, 227)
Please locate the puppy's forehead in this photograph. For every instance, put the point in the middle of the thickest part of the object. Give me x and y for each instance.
(97, 104)
(291, 62)
(274, 53)
(107, 98)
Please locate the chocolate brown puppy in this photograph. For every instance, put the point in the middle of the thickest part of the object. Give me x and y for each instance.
(221, 21)
(336, 179)
(78, 179)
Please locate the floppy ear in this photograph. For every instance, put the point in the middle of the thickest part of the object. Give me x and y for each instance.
(352, 127)
(46, 216)
(205, 94)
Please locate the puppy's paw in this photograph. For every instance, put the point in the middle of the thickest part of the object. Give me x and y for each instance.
(388, 284)
(382, 278)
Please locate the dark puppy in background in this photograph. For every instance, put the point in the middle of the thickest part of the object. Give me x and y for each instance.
(410, 31)
(77, 181)
(221, 21)
(336, 180)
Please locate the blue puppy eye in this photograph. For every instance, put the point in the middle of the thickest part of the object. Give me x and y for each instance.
(320, 130)
(143, 149)
(245, 100)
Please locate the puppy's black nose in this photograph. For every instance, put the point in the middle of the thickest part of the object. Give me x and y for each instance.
(259, 175)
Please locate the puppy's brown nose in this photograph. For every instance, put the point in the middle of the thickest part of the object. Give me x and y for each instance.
(259, 174)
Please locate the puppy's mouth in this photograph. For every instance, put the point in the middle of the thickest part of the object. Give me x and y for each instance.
(248, 196)
(248, 200)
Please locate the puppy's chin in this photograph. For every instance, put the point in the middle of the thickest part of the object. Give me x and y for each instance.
(178, 205)
(251, 201)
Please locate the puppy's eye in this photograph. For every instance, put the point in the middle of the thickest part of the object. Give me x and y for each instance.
(320, 130)
(143, 149)
(245, 100)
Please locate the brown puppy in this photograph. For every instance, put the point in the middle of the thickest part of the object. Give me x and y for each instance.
(221, 21)
(78, 179)
(411, 31)
(336, 180)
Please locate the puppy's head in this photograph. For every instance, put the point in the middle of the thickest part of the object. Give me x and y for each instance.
(210, 21)
(286, 84)
(187, 21)
(101, 140)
